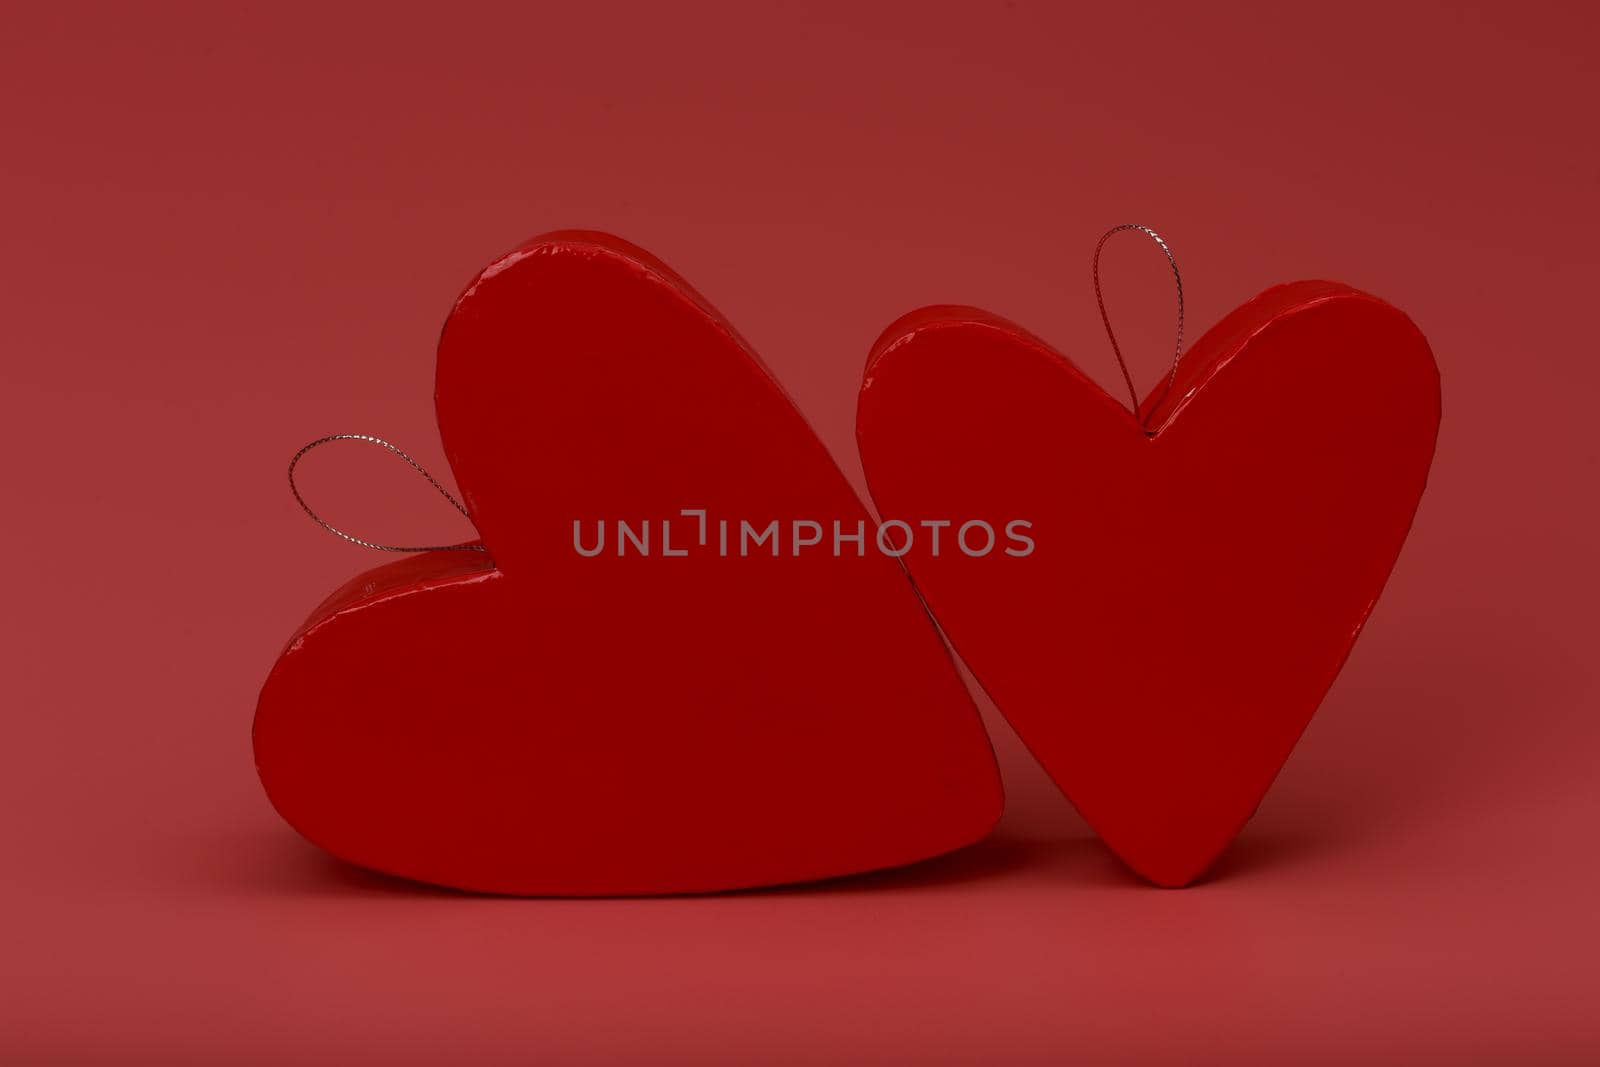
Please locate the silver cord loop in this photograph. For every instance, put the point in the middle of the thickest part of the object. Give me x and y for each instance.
(1177, 279)
(320, 521)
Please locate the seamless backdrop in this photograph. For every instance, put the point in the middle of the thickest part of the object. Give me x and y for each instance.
(230, 230)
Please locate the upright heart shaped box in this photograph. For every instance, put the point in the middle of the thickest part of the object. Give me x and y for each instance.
(1191, 592)
(539, 720)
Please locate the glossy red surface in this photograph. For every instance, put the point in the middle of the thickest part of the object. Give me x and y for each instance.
(545, 723)
(1193, 593)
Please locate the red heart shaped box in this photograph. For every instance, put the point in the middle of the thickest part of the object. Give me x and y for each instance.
(1192, 593)
(545, 723)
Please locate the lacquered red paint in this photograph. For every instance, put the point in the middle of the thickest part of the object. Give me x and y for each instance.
(542, 723)
(1192, 594)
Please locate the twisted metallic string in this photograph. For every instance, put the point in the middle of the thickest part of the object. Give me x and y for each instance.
(320, 521)
(1106, 318)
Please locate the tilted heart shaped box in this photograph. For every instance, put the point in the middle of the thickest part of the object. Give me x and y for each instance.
(550, 723)
(1192, 594)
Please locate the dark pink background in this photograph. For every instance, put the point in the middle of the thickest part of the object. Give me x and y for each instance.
(227, 233)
